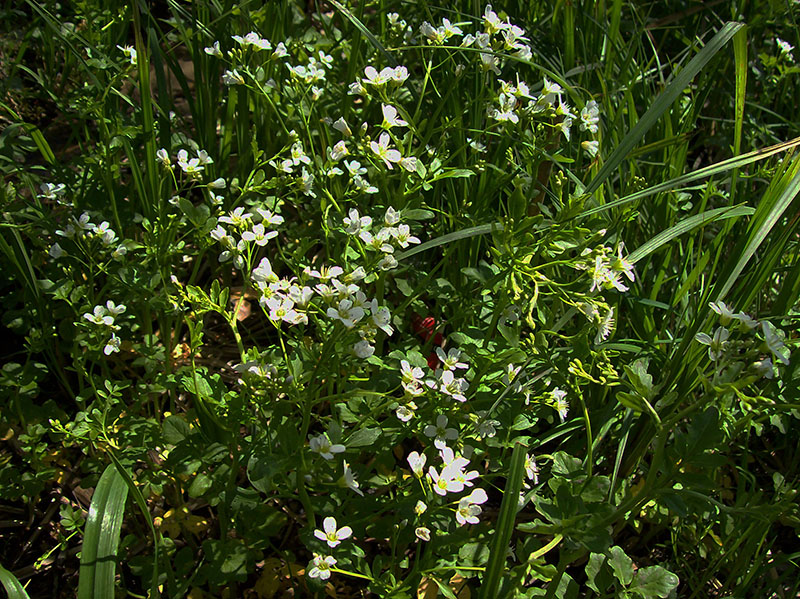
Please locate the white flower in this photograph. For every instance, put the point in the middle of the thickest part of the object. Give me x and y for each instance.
(384, 152)
(363, 349)
(381, 317)
(622, 265)
(405, 412)
(440, 433)
(402, 235)
(560, 403)
(99, 316)
(342, 127)
(322, 445)
(112, 345)
(455, 388)
(390, 118)
(338, 151)
(604, 327)
(531, 469)
(129, 52)
(281, 309)
(590, 117)
(259, 235)
(450, 361)
(423, 533)
(280, 51)
(263, 273)
(354, 168)
(716, 345)
(322, 567)
(764, 368)
(388, 262)
(486, 426)
(163, 158)
(420, 508)
(188, 166)
(785, 47)
(56, 251)
(331, 534)
(469, 508)
(746, 322)
(354, 224)
(52, 191)
(232, 78)
(346, 313)
(774, 342)
(491, 21)
(392, 217)
(591, 147)
(349, 479)
(213, 50)
(725, 314)
(417, 463)
(238, 217)
(399, 75)
(325, 273)
(373, 77)
(114, 309)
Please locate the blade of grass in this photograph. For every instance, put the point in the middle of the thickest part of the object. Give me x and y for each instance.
(101, 536)
(148, 123)
(505, 524)
(772, 206)
(662, 103)
(740, 59)
(366, 32)
(449, 238)
(708, 171)
(686, 225)
(13, 587)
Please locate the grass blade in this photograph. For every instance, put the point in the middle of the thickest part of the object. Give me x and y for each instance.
(366, 32)
(734, 163)
(772, 206)
(662, 103)
(13, 587)
(686, 225)
(101, 536)
(505, 524)
(448, 238)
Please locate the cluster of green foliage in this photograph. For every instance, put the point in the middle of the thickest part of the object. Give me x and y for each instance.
(400, 300)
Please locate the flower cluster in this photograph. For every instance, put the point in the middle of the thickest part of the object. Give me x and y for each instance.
(606, 269)
(103, 317)
(723, 348)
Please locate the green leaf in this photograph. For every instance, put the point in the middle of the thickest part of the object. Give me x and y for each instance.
(101, 536)
(456, 173)
(654, 581)
(175, 429)
(13, 587)
(593, 570)
(363, 437)
(473, 554)
(621, 564)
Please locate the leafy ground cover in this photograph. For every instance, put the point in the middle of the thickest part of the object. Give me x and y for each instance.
(383, 299)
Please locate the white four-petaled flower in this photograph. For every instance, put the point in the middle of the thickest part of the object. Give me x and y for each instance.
(331, 534)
